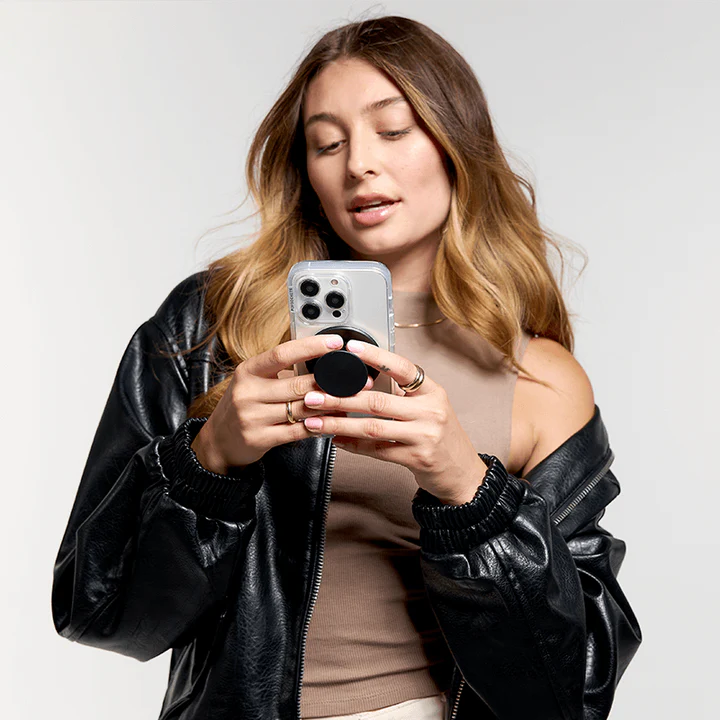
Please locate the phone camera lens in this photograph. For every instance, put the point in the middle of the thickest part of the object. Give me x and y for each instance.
(311, 311)
(334, 299)
(309, 288)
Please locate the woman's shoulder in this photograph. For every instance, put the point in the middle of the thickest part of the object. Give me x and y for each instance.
(559, 411)
(186, 295)
(182, 314)
(185, 299)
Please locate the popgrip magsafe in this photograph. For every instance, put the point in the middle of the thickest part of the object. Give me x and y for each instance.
(340, 372)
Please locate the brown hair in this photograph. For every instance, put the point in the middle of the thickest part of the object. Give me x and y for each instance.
(492, 260)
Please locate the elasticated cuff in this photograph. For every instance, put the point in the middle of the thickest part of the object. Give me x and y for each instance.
(225, 497)
(458, 528)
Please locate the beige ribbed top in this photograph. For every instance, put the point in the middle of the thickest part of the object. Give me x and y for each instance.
(373, 639)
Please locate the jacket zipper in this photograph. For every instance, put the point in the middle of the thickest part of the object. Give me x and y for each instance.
(456, 704)
(318, 574)
(557, 519)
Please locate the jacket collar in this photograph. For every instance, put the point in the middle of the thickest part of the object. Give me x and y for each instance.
(575, 479)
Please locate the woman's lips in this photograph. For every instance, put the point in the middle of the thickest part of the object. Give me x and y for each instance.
(375, 216)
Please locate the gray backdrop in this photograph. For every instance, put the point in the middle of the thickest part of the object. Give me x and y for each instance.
(123, 136)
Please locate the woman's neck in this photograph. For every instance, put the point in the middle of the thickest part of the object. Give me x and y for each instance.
(410, 268)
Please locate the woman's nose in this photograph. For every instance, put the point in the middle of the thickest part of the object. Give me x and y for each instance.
(361, 158)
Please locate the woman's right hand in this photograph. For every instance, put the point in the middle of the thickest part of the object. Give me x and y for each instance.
(250, 417)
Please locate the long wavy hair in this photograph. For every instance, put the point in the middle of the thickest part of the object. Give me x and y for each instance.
(491, 271)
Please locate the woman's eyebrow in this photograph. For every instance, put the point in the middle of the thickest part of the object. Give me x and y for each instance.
(369, 108)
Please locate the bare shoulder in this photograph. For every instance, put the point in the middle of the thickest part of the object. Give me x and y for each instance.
(554, 413)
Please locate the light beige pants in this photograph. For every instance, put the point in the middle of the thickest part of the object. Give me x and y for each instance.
(429, 708)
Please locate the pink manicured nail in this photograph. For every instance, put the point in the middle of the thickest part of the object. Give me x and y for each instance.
(313, 423)
(355, 346)
(334, 341)
(314, 398)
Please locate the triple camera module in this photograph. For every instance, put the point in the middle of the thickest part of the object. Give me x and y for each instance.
(311, 310)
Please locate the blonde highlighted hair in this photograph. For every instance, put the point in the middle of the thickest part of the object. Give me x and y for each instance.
(491, 272)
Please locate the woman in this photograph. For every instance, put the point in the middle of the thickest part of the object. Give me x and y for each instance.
(464, 574)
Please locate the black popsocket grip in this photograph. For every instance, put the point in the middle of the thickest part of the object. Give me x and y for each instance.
(340, 372)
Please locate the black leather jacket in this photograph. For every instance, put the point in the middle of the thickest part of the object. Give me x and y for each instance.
(161, 554)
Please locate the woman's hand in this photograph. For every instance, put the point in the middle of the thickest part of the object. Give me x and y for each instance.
(425, 436)
(250, 417)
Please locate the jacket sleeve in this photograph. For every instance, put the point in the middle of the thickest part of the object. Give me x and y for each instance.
(537, 623)
(152, 537)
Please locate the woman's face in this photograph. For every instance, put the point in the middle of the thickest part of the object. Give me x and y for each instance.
(352, 150)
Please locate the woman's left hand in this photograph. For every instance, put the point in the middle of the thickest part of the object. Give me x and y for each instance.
(428, 438)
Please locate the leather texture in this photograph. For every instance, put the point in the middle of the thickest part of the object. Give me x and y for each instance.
(160, 554)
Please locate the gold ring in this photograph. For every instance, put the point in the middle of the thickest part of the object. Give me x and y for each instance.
(288, 412)
(416, 383)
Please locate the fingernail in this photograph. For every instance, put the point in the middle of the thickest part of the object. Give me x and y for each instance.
(314, 398)
(334, 341)
(355, 346)
(313, 423)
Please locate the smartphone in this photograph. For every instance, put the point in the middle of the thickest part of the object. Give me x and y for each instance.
(329, 295)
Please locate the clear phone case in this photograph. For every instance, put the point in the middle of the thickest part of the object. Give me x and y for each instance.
(324, 294)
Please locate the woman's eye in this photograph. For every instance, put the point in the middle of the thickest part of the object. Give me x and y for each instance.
(396, 133)
(327, 147)
(392, 134)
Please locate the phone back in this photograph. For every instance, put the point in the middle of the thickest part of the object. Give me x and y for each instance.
(356, 294)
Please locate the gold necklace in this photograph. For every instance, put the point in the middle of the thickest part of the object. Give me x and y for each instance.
(434, 322)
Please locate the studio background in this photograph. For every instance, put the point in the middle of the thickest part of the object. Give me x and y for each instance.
(123, 137)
